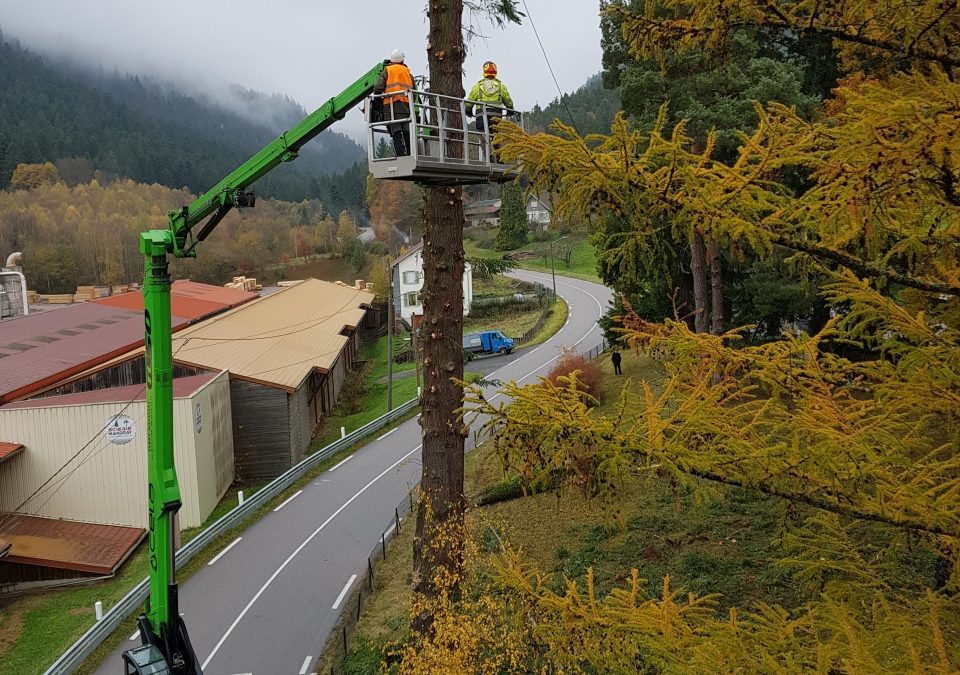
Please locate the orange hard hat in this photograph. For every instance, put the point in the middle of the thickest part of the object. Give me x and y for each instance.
(489, 69)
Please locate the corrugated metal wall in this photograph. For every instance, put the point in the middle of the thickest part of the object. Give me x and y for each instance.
(261, 430)
(105, 483)
(122, 374)
(213, 440)
(301, 420)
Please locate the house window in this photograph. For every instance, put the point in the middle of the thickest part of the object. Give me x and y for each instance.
(411, 299)
(411, 277)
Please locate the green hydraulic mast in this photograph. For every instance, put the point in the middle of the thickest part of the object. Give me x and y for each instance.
(165, 645)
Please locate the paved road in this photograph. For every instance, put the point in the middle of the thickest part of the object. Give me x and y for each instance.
(267, 602)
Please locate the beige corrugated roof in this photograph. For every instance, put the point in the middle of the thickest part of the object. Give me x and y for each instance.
(279, 339)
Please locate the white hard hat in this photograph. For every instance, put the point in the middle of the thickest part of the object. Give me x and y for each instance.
(396, 56)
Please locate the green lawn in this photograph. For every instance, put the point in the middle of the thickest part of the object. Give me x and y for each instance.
(583, 261)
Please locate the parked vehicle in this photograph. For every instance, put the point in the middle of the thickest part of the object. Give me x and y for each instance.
(487, 342)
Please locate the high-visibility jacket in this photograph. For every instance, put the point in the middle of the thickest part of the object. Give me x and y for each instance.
(399, 80)
(491, 90)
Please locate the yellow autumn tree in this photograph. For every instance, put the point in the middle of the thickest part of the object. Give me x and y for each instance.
(867, 450)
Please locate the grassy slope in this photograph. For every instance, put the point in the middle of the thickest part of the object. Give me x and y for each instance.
(583, 262)
(723, 544)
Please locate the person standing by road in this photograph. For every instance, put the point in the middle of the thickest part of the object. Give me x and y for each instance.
(395, 81)
(491, 91)
(615, 359)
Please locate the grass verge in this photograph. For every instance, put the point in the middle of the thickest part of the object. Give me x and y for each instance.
(583, 258)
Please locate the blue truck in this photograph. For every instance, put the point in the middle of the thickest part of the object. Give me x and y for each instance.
(487, 342)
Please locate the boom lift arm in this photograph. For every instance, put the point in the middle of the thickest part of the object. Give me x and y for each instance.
(165, 645)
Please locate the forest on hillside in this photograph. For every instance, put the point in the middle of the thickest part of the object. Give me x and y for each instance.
(115, 125)
(87, 234)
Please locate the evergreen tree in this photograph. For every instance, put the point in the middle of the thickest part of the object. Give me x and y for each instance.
(513, 218)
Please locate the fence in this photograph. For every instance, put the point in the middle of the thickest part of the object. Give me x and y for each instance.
(595, 352)
(132, 601)
(339, 643)
(545, 307)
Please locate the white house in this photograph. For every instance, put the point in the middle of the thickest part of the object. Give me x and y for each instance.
(486, 213)
(538, 213)
(408, 281)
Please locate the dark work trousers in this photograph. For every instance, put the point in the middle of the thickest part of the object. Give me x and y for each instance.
(616, 363)
(399, 132)
(491, 122)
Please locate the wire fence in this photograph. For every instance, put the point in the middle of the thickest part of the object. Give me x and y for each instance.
(338, 646)
(595, 352)
(546, 305)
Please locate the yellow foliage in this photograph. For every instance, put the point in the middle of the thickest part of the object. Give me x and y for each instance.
(868, 447)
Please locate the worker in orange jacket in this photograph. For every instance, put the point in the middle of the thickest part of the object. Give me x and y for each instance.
(395, 81)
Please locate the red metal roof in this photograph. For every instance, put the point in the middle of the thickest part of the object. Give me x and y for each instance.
(39, 350)
(67, 544)
(8, 450)
(187, 298)
(183, 387)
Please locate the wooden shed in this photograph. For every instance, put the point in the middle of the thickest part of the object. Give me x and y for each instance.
(288, 354)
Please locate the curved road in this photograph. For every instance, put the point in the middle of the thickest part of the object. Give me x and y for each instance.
(268, 601)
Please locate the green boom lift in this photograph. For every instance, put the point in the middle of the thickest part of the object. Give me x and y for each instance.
(165, 645)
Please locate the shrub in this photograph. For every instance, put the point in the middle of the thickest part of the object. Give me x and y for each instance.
(589, 377)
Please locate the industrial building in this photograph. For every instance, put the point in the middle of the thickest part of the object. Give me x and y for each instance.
(287, 354)
(93, 445)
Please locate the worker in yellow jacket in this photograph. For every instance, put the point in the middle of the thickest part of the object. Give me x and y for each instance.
(491, 91)
(395, 81)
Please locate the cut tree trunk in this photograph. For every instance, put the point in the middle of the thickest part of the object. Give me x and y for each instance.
(438, 541)
(699, 272)
(716, 286)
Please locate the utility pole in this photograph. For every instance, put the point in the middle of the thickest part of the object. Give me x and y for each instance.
(553, 272)
(389, 337)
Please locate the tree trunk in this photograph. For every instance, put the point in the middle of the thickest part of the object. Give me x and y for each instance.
(699, 272)
(716, 285)
(438, 541)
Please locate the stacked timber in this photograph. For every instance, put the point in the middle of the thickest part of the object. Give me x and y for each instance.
(58, 298)
(85, 294)
(287, 284)
(244, 284)
(117, 289)
(32, 297)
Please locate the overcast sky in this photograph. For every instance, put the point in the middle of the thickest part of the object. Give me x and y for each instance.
(306, 49)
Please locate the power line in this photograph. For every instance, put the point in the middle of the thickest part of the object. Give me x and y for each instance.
(550, 67)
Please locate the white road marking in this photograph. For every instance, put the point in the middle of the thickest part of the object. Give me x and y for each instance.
(135, 635)
(343, 593)
(339, 464)
(306, 664)
(220, 554)
(296, 551)
(389, 530)
(288, 500)
(387, 434)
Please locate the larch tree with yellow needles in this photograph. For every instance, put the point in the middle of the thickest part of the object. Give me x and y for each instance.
(867, 450)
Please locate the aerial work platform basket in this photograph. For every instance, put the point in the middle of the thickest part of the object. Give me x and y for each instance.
(446, 148)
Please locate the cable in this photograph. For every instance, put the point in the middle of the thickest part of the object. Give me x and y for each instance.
(550, 67)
